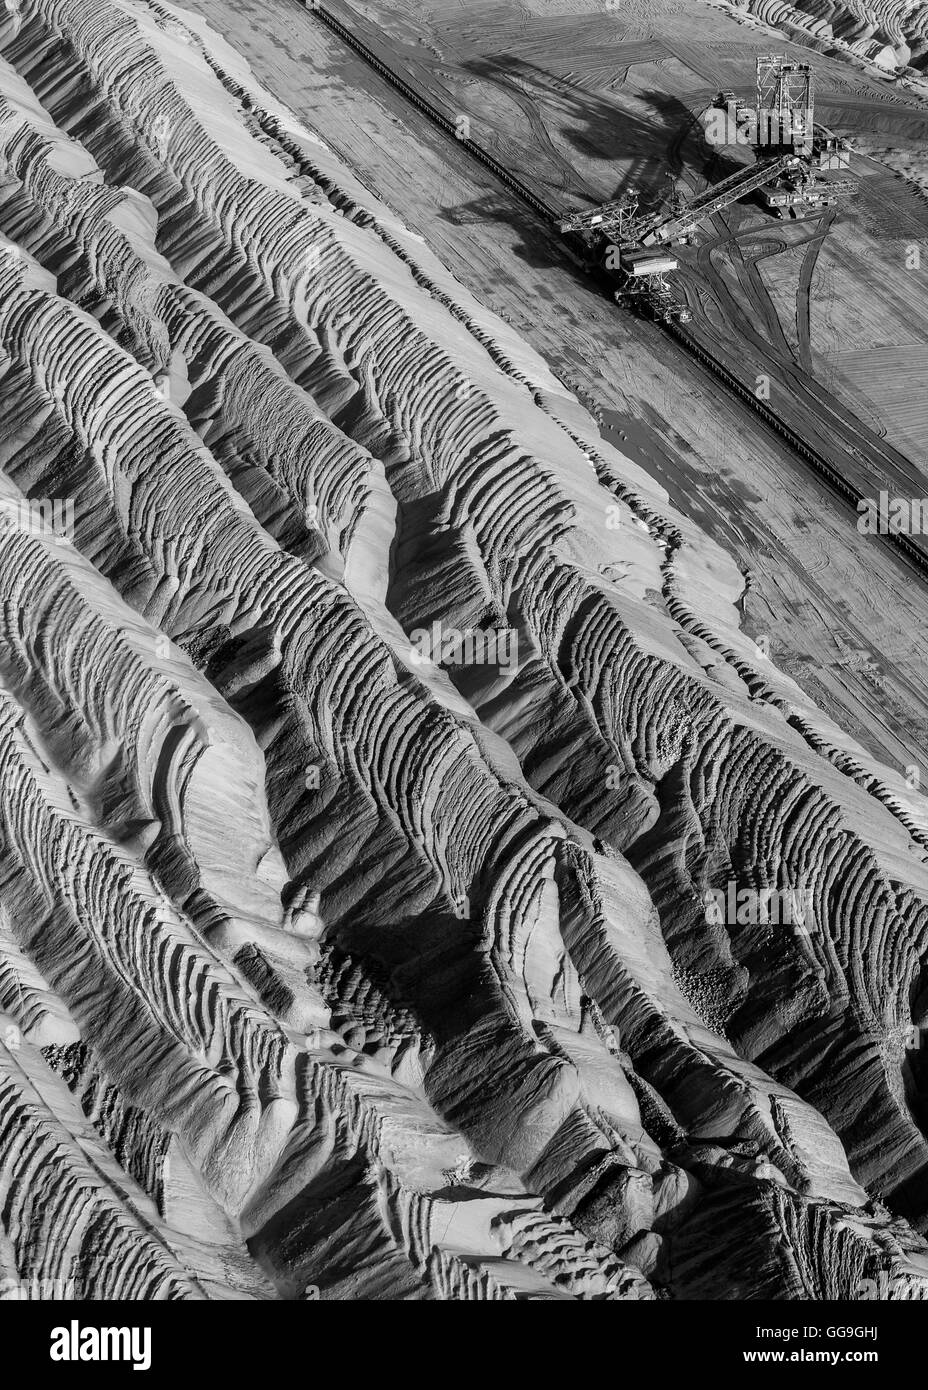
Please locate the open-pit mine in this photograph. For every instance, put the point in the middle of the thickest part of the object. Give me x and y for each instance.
(463, 653)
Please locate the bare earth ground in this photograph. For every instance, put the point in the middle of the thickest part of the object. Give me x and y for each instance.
(327, 969)
(840, 613)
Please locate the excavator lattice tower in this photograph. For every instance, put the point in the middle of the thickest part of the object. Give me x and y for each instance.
(784, 104)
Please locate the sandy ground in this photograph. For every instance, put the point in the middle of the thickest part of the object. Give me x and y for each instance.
(376, 973)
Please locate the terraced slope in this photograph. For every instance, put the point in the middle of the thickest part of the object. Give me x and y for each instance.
(893, 31)
(324, 967)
